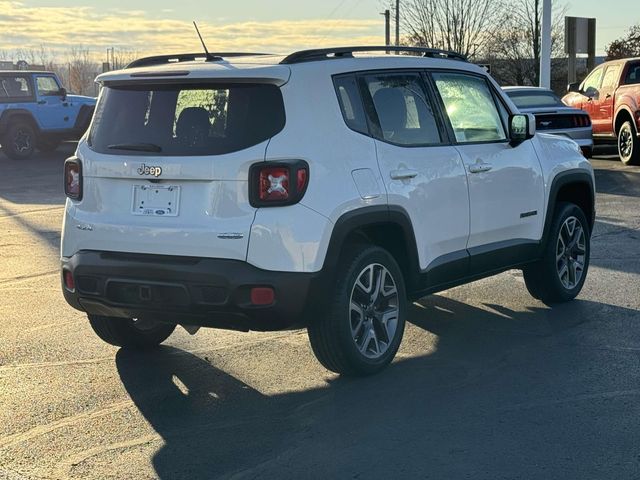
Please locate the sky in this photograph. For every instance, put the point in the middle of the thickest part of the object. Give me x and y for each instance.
(162, 26)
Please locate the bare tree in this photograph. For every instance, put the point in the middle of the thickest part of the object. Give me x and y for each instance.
(118, 58)
(515, 48)
(464, 26)
(82, 71)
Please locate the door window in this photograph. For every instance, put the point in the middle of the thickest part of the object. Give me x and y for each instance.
(592, 82)
(611, 77)
(405, 114)
(471, 108)
(47, 86)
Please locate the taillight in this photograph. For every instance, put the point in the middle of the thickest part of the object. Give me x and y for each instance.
(275, 184)
(581, 121)
(73, 178)
(69, 282)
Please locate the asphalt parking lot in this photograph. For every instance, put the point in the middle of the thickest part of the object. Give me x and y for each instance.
(489, 383)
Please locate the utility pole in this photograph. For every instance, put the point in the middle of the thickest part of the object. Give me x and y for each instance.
(387, 28)
(397, 23)
(545, 46)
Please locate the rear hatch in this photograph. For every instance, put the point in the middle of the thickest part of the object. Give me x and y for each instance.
(165, 165)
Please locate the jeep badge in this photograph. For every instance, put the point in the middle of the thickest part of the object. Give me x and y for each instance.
(147, 170)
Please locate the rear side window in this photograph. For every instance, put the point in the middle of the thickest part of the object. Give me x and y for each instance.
(15, 87)
(351, 103)
(405, 114)
(186, 120)
(633, 74)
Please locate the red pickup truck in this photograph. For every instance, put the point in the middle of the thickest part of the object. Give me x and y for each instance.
(611, 97)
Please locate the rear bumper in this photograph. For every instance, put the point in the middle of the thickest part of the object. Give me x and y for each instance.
(186, 290)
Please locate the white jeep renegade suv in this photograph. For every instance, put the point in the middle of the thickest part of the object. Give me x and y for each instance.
(320, 190)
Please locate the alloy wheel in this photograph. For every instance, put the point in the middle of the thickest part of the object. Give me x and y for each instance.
(625, 143)
(22, 140)
(571, 253)
(374, 311)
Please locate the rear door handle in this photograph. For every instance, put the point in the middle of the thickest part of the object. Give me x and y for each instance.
(403, 174)
(41, 102)
(480, 167)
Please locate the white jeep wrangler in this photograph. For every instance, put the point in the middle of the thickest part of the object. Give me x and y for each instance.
(320, 190)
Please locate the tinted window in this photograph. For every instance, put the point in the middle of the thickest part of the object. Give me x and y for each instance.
(471, 108)
(14, 87)
(611, 77)
(47, 86)
(351, 103)
(404, 112)
(533, 99)
(185, 120)
(633, 74)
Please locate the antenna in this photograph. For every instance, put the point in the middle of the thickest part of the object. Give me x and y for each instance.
(209, 56)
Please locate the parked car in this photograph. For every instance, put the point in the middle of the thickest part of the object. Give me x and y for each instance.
(323, 190)
(37, 112)
(611, 96)
(553, 116)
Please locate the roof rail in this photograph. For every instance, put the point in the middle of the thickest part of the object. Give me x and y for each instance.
(347, 52)
(187, 57)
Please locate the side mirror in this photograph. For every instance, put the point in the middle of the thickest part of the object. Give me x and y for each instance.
(573, 87)
(592, 92)
(63, 93)
(521, 127)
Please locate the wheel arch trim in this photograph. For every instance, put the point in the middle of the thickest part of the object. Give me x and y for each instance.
(622, 110)
(562, 179)
(8, 114)
(357, 220)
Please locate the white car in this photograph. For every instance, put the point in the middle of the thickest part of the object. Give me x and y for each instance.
(322, 190)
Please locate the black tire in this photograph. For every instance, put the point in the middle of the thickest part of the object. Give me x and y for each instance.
(47, 145)
(330, 333)
(543, 278)
(19, 142)
(628, 144)
(128, 333)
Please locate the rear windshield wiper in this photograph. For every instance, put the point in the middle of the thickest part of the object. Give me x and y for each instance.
(136, 147)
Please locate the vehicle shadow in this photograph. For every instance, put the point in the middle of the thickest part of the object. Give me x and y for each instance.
(615, 246)
(34, 186)
(36, 181)
(618, 182)
(493, 400)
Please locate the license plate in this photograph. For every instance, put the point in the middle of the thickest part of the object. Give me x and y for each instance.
(156, 200)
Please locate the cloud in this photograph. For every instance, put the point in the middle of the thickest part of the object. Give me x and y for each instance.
(61, 28)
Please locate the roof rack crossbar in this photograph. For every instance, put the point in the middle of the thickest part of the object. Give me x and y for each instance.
(187, 57)
(347, 52)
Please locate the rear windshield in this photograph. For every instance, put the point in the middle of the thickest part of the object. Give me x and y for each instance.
(185, 120)
(524, 99)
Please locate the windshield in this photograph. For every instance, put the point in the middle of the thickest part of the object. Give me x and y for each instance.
(525, 99)
(186, 120)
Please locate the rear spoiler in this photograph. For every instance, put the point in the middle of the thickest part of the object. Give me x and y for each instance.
(197, 73)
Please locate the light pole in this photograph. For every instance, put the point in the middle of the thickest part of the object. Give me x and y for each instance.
(397, 23)
(545, 46)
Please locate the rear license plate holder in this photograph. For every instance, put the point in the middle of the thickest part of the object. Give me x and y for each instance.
(155, 200)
